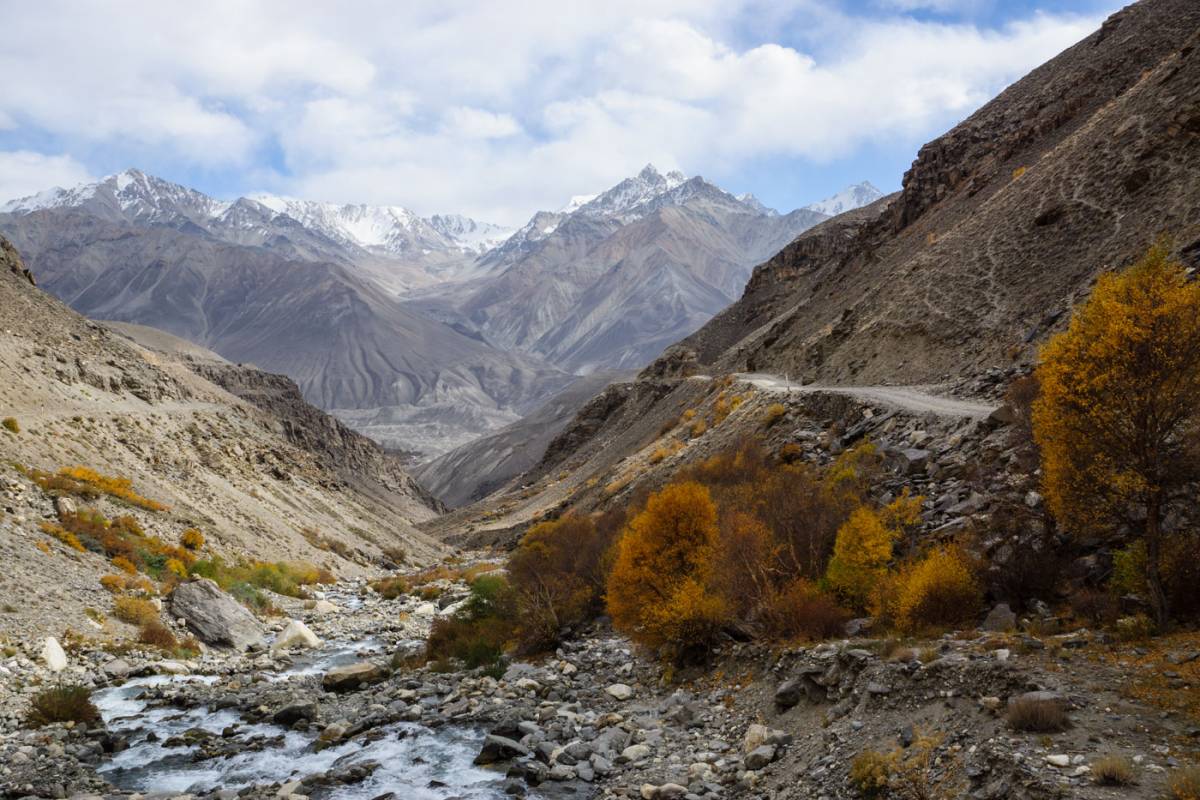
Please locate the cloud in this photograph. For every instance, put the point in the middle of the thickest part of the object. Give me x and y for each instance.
(494, 109)
(23, 173)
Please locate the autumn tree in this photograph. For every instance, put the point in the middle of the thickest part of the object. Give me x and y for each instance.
(1118, 411)
(558, 572)
(863, 550)
(659, 592)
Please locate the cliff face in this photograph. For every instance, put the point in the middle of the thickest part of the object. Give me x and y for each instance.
(1001, 226)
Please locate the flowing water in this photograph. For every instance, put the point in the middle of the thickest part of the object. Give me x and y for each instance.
(414, 761)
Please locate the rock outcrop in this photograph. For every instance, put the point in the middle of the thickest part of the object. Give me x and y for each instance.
(214, 616)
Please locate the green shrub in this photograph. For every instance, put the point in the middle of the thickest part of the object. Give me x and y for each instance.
(479, 633)
(62, 704)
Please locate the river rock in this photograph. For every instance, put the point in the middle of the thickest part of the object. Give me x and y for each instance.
(619, 691)
(323, 608)
(214, 616)
(296, 634)
(352, 676)
(53, 655)
(293, 713)
(499, 748)
(760, 756)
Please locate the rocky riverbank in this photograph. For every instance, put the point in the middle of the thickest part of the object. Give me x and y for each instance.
(342, 713)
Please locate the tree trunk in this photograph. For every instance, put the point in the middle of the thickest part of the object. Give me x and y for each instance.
(1158, 598)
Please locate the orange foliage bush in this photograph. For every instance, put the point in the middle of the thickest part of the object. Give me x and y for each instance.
(558, 573)
(134, 610)
(801, 610)
(192, 539)
(937, 591)
(659, 591)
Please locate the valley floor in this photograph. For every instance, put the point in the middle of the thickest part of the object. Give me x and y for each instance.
(597, 718)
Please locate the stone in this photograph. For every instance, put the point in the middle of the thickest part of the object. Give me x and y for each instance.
(913, 460)
(756, 736)
(1058, 760)
(669, 791)
(789, 694)
(619, 691)
(53, 655)
(759, 757)
(64, 506)
(1001, 618)
(293, 713)
(635, 752)
(214, 616)
(296, 634)
(350, 677)
(117, 669)
(323, 608)
(499, 748)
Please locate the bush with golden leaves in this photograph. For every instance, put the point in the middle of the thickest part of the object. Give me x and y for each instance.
(937, 591)
(659, 592)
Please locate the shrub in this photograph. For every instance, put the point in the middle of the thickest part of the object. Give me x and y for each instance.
(937, 591)
(869, 773)
(802, 610)
(134, 610)
(861, 554)
(192, 539)
(396, 555)
(774, 413)
(392, 587)
(62, 704)
(1134, 629)
(658, 592)
(158, 635)
(1113, 770)
(11, 425)
(89, 484)
(113, 583)
(790, 453)
(1094, 607)
(558, 572)
(62, 535)
(125, 565)
(698, 428)
(1184, 783)
(176, 567)
(1035, 715)
(478, 634)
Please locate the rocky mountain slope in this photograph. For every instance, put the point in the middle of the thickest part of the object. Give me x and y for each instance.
(257, 484)
(478, 468)
(609, 281)
(286, 303)
(1002, 223)
(1001, 227)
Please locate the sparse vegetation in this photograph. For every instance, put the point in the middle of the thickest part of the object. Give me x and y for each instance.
(478, 634)
(66, 703)
(89, 484)
(11, 425)
(135, 610)
(192, 539)
(1113, 770)
(1184, 783)
(774, 413)
(1037, 715)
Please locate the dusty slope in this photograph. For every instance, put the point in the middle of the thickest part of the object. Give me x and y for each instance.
(85, 396)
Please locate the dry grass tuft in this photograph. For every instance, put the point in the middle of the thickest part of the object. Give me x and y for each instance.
(1034, 715)
(1113, 770)
(61, 704)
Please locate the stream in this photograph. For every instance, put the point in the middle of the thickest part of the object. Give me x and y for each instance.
(414, 761)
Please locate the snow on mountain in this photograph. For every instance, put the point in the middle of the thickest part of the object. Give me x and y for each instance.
(848, 199)
(468, 233)
(624, 199)
(577, 202)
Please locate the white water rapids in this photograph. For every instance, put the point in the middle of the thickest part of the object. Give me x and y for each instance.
(414, 761)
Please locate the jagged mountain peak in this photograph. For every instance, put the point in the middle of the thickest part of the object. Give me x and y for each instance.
(848, 199)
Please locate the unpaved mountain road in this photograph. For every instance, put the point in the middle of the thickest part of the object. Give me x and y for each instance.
(908, 398)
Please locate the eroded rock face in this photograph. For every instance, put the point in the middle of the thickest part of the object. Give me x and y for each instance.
(215, 617)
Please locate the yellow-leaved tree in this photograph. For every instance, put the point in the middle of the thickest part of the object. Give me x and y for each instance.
(1118, 412)
(862, 551)
(659, 592)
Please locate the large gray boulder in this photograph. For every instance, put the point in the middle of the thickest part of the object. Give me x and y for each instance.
(215, 617)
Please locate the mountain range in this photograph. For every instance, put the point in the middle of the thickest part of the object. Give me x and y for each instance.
(422, 332)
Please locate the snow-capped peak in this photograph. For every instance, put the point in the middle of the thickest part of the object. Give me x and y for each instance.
(630, 193)
(852, 197)
(576, 202)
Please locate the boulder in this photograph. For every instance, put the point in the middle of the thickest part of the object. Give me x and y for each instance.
(296, 634)
(293, 713)
(913, 461)
(756, 736)
(53, 655)
(323, 608)
(498, 748)
(789, 694)
(619, 691)
(117, 669)
(214, 616)
(759, 757)
(1001, 618)
(352, 677)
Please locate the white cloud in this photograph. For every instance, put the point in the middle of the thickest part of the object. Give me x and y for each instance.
(493, 109)
(23, 173)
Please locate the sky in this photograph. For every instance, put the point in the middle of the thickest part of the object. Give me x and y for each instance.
(498, 109)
